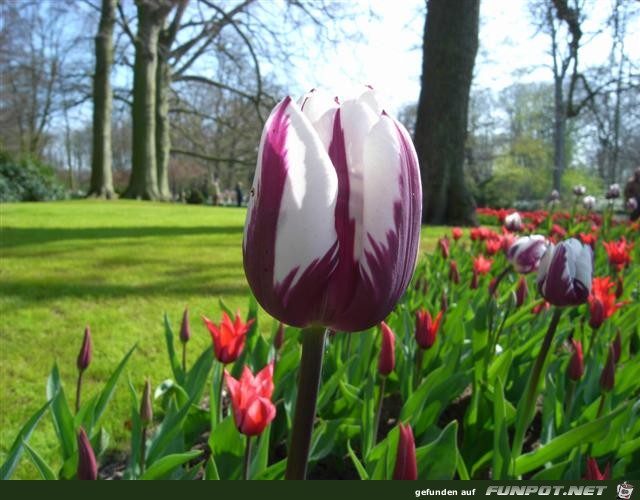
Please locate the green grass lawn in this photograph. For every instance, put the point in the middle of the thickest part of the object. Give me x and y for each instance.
(116, 266)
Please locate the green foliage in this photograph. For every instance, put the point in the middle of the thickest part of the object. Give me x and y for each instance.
(27, 179)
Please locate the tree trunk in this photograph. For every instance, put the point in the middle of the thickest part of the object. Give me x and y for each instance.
(143, 183)
(449, 51)
(101, 184)
(559, 134)
(163, 134)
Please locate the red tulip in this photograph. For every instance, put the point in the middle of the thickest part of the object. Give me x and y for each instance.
(576, 363)
(602, 302)
(251, 395)
(185, 332)
(406, 466)
(596, 313)
(387, 359)
(493, 246)
(443, 244)
(593, 471)
(426, 328)
(454, 274)
(618, 252)
(456, 232)
(228, 338)
(84, 357)
(87, 465)
(482, 265)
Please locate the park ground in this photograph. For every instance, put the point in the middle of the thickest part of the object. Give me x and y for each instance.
(118, 267)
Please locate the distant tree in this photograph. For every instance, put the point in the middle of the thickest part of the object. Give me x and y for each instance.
(101, 184)
(450, 45)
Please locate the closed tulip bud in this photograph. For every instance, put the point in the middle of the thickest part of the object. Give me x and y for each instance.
(443, 244)
(426, 328)
(579, 190)
(525, 253)
(474, 280)
(278, 339)
(619, 287)
(513, 222)
(565, 273)
(617, 347)
(454, 274)
(608, 376)
(333, 222)
(185, 332)
(593, 471)
(84, 357)
(493, 287)
(589, 202)
(522, 292)
(444, 303)
(406, 465)
(146, 406)
(596, 313)
(251, 395)
(576, 363)
(87, 465)
(387, 359)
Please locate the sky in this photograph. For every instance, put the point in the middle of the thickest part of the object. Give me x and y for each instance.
(390, 57)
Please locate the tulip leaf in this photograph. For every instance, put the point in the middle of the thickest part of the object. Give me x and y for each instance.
(362, 472)
(136, 434)
(439, 398)
(169, 429)
(108, 390)
(226, 308)
(176, 368)
(587, 433)
(198, 375)
(553, 473)
(261, 453)
(438, 459)
(501, 450)
(227, 448)
(273, 472)
(331, 386)
(382, 458)
(368, 416)
(15, 452)
(163, 466)
(62, 418)
(327, 434)
(211, 471)
(43, 468)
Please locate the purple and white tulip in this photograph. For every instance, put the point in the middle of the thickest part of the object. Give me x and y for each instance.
(579, 190)
(525, 253)
(565, 273)
(333, 223)
(632, 204)
(589, 203)
(513, 222)
(613, 192)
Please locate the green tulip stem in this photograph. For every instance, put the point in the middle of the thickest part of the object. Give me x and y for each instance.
(247, 459)
(220, 409)
(79, 390)
(304, 416)
(376, 423)
(184, 359)
(527, 405)
(419, 363)
(603, 397)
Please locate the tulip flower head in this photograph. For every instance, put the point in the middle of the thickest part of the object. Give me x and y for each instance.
(579, 190)
(513, 222)
(588, 238)
(608, 375)
(146, 406)
(593, 471)
(613, 192)
(185, 332)
(454, 274)
(84, 356)
(493, 246)
(333, 222)
(456, 232)
(482, 265)
(228, 337)
(602, 301)
(589, 203)
(564, 276)
(427, 328)
(522, 291)
(576, 363)
(525, 253)
(618, 253)
(406, 467)
(554, 196)
(632, 204)
(443, 244)
(87, 464)
(387, 359)
(251, 395)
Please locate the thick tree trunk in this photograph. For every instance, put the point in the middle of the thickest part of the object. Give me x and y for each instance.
(143, 183)
(163, 133)
(101, 184)
(449, 52)
(559, 134)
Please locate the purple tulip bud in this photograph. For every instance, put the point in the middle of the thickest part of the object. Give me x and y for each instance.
(608, 376)
(444, 302)
(589, 202)
(146, 406)
(333, 222)
(522, 292)
(513, 222)
(387, 359)
(596, 313)
(617, 347)
(87, 465)
(84, 357)
(454, 274)
(185, 332)
(406, 465)
(579, 190)
(525, 253)
(576, 363)
(565, 273)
